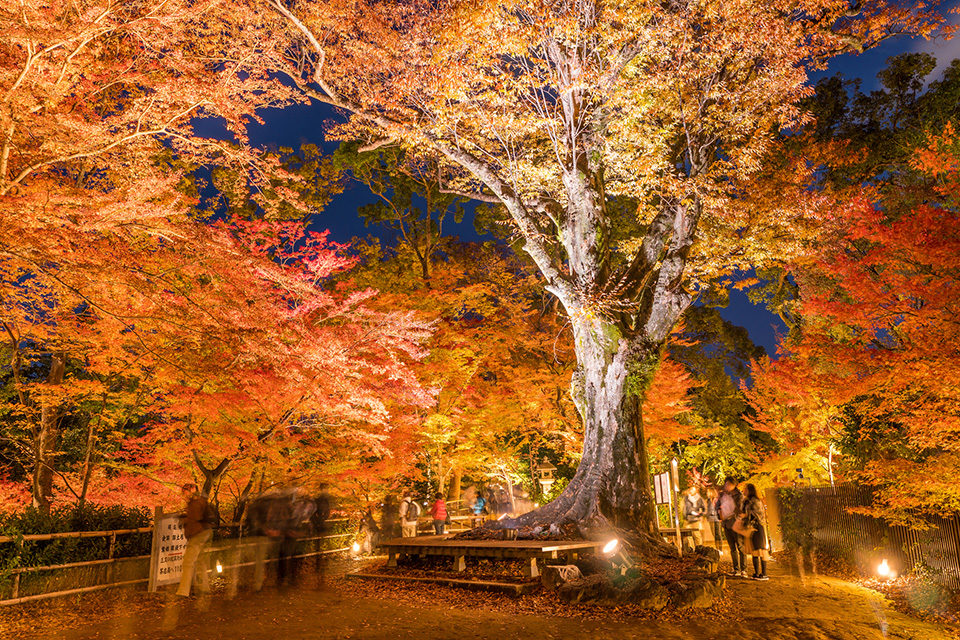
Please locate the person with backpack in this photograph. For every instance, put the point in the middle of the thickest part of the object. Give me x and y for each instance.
(756, 543)
(439, 513)
(197, 527)
(728, 508)
(409, 514)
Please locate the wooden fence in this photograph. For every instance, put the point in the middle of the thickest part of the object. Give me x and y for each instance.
(821, 517)
(114, 570)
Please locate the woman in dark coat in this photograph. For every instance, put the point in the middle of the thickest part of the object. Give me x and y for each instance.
(753, 517)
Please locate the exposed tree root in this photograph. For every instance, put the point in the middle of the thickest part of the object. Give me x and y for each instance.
(570, 517)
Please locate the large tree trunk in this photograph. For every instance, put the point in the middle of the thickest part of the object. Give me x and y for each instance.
(611, 486)
(455, 486)
(48, 438)
(621, 313)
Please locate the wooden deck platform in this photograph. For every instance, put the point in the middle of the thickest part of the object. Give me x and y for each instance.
(446, 545)
(515, 588)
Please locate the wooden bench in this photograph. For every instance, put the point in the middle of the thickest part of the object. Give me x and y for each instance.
(686, 534)
(460, 550)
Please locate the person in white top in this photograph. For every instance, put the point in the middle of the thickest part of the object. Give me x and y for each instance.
(409, 513)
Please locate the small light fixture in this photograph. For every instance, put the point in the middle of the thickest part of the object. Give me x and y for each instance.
(355, 547)
(219, 567)
(611, 547)
(885, 572)
(536, 505)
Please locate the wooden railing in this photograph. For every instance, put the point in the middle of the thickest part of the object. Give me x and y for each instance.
(112, 561)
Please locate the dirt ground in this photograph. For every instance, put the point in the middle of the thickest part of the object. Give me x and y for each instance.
(785, 608)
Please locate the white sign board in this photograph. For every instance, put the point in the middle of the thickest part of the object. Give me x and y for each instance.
(661, 488)
(169, 543)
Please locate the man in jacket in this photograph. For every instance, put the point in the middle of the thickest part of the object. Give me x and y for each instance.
(728, 509)
(198, 532)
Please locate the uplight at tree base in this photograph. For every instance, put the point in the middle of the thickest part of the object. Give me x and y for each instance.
(610, 547)
(355, 547)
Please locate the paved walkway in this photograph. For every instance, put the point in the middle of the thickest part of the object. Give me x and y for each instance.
(782, 609)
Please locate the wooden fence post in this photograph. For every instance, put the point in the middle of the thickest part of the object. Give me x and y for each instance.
(112, 567)
(16, 578)
(155, 549)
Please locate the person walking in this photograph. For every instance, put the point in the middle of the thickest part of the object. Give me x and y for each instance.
(258, 533)
(409, 514)
(728, 507)
(196, 527)
(439, 513)
(713, 519)
(390, 518)
(756, 544)
(693, 509)
(478, 507)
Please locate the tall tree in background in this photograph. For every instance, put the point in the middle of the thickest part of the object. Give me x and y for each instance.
(120, 293)
(92, 94)
(499, 359)
(411, 198)
(874, 373)
(852, 375)
(552, 109)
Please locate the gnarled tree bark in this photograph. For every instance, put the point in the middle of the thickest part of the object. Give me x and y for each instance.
(48, 438)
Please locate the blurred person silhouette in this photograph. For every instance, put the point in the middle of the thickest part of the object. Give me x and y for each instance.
(713, 517)
(320, 526)
(389, 518)
(257, 526)
(289, 519)
(693, 509)
(728, 508)
(479, 507)
(369, 532)
(197, 527)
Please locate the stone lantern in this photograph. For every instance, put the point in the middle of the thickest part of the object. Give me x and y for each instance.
(545, 475)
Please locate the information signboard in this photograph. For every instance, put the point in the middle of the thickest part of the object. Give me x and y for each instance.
(166, 556)
(661, 488)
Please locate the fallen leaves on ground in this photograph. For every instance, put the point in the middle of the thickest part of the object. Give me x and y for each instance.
(543, 603)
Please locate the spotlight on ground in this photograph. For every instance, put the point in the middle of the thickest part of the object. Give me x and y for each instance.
(885, 572)
(355, 547)
(611, 547)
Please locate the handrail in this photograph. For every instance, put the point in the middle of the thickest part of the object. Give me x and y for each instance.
(73, 534)
(73, 565)
(30, 537)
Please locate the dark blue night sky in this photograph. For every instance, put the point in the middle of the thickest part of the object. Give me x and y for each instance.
(301, 124)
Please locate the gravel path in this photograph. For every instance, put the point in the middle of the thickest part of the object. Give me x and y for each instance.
(785, 608)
